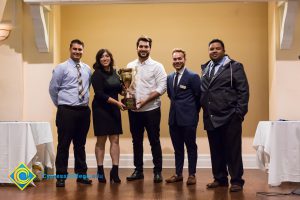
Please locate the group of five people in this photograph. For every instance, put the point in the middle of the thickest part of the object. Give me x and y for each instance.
(222, 92)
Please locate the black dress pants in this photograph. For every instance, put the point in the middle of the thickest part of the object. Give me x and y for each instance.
(225, 145)
(181, 135)
(149, 120)
(72, 125)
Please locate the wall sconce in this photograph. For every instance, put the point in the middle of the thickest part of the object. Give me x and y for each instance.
(5, 29)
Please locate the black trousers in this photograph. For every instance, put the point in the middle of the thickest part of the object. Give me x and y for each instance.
(72, 123)
(225, 145)
(181, 135)
(149, 120)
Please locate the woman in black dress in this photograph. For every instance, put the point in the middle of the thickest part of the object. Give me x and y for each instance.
(106, 112)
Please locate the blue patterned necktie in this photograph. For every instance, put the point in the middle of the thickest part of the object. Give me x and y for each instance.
(80, 86)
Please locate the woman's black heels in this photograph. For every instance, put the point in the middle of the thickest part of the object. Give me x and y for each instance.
(114, 174)
(100, 174)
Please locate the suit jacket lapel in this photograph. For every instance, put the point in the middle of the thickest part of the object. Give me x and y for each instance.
(183, 77)
(219, 72)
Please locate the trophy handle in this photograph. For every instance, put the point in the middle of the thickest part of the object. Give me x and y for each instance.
(132, 84)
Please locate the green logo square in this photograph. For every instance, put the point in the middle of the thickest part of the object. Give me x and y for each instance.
(22, 176)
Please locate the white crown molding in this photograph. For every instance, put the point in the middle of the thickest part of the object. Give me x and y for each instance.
(133, 1)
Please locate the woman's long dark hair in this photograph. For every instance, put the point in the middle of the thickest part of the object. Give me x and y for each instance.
(99, 66)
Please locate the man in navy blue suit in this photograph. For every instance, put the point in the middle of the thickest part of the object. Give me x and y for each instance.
(183, 87)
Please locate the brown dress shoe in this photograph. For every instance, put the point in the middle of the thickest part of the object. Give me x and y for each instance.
(235, 188)
(191, 180)
(216, 184)
(174, 179)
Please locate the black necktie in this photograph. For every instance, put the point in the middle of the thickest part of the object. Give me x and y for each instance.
(176, 82)
(212, 71)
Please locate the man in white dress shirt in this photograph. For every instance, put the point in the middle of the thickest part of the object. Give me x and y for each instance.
(150, 84)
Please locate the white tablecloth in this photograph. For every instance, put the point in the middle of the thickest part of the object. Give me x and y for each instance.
(21, 142)
(278, 148)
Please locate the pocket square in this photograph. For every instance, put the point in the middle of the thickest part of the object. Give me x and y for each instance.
(182, 87)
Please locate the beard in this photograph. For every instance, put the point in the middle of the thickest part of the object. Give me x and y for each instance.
(178, 66)
(143, 54)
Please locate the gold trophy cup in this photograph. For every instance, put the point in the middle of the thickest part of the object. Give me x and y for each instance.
(127, 76)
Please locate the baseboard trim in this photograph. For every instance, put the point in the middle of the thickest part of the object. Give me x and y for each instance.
(126, 161)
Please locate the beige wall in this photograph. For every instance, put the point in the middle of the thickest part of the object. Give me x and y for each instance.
(294, 51)
(284, 70)
(272, 56)
(243, 27)
(25, 73)
(37, 71)
(288, 94)
(11, 64)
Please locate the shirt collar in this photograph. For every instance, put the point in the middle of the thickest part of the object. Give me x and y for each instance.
(146, 62)
(180, 71)
(221, 62)
(74, 63)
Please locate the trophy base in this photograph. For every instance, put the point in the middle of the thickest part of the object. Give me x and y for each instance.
(130, 103)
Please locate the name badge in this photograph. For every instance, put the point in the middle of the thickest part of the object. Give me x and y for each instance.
(182, 87)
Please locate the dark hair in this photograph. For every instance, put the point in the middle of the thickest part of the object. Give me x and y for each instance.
(98, 65)
(179, 50)
(218, 41)
(144, 39)
(76, 41)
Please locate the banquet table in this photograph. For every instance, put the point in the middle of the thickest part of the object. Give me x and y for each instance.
(25, 142)
(277, 145)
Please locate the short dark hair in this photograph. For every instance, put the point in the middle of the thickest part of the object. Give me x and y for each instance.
(145, 39)
(179, 50)
(99, 54)
(217, 41)
(76, 41)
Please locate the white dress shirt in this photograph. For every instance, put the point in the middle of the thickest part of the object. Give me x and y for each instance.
(150, 76)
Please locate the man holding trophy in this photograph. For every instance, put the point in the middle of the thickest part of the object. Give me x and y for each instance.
(149, 83)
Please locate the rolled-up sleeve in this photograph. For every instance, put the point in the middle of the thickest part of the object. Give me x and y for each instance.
(161, 79)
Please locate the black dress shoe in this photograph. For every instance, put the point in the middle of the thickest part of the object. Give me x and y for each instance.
(60, 183)
(157, 177)
(85, 181)
(135, 176)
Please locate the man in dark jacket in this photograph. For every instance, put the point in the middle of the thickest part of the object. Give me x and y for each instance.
(224, 99)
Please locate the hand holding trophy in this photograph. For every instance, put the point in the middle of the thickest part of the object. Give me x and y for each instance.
(127, 76)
